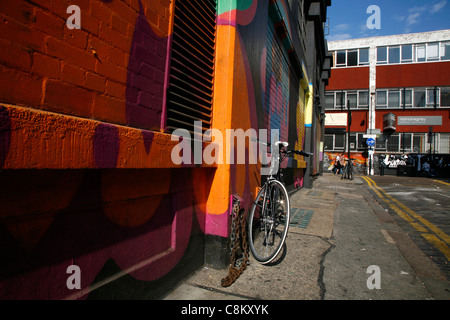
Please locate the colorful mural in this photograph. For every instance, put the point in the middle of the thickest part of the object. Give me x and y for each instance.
(86, 173)
(421, 165)
(360, 160)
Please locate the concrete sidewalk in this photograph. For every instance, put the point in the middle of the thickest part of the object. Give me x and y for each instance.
(342, 235)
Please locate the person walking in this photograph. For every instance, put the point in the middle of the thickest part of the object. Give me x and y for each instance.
(337, 164)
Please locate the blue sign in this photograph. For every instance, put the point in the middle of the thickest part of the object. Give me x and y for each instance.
(370, 142)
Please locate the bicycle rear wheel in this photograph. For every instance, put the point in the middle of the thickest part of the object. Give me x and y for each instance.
(269, 222)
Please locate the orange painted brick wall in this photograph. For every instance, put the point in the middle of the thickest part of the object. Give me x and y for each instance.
(80, 72)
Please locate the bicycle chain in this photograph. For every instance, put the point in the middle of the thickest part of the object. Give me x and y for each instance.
(238, 244)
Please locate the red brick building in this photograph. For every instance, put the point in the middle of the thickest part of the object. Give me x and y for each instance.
(398, 91)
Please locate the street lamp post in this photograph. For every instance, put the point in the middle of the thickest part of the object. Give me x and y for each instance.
(349, 122)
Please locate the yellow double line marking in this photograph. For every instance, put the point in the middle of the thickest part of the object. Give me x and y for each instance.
(446, 183)
(433, 234)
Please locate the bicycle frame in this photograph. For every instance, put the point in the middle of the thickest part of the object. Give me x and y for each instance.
(277, 176)
(282, 154)
(271, 209)
(348, 169)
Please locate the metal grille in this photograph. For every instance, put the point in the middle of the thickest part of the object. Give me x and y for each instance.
(277, 84)
(190, 90)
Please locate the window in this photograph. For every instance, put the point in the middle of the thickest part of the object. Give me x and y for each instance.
(340, 99)
(352, 141)
(381, 55)
(190, 90)
(430, 97)
(420, 53)
(445, 51)
(363, 57)
(352, 99)
(409, 142)
(419, 144)
(328, 142)
(334, 141)
(445, 96)
(339, 141)
(394, 54)
(419, 98)
(444, 143)
(352, 58)
(341, 59)
(380, 142)
(393, 143)
(357, 99)
(362, 141)
(406, 139)
(407, 53)
(381, 99)
(432, 51)
(329, 101)
(394, 99)
(407, 98)
(363, 99)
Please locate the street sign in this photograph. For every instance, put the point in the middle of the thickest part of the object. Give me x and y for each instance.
(374, 131)
(370, 142)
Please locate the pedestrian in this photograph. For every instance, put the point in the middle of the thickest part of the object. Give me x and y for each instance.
(337, 164)
(382, 166)
(341, 163)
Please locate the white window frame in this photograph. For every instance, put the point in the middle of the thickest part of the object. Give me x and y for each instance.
(363, 63)
(401, 53)
(440, 93)
(366, 105)
(433, 58)
(341, 65)
(403, 97)
(391, 92)
(443, 49)
(381, 106)
(387, 55)
(416, 51)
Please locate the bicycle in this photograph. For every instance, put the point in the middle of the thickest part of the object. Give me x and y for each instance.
(270, 213)
(348, 170)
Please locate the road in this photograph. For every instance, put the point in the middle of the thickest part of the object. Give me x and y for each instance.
(350, 248)
(421, 206)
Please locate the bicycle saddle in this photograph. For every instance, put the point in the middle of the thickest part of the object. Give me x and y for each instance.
(284, 143)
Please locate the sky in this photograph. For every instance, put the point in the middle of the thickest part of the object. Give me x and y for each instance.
(348, 18)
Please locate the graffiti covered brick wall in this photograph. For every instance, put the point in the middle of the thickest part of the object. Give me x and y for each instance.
(87, 174)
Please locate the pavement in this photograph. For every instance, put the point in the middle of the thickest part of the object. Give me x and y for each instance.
(343, 246)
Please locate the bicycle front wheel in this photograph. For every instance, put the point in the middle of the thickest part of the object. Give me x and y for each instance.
(269, 222)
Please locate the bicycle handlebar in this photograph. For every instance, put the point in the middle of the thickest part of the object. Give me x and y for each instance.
(300, 152)
(284, 144)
